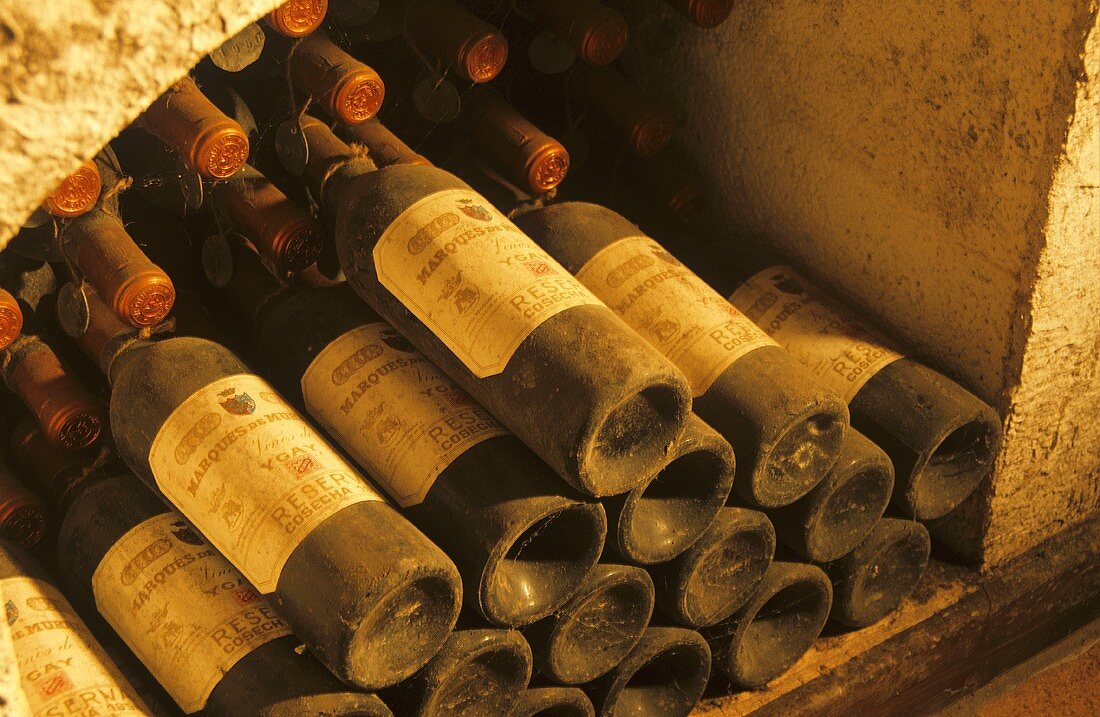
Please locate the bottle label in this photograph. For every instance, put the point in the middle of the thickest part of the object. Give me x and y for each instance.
(62, 669)
(183, 610)
(249, 472)
(675, 310)
(395, 412)
(840, 350)
(472, 277)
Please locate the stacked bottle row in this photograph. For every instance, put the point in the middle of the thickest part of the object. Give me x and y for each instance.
(479, 450)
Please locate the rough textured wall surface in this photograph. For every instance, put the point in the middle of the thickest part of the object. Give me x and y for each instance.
(73, 73)
(912, 156)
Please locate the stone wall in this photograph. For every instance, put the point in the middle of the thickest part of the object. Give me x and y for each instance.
(935, 161)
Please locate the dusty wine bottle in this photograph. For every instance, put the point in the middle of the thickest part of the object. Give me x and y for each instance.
(60, 663)
(870, 582)
(595, 32)
(353, 13)
(138, 291)
(527, 155)
(11, 319)
(591, 634)
(522, 544)
(478, 673)
(451, 37)
(68, 413)
(297, 18)
(506, 321)
(205, 139)
(215, 644)
(383, 146)
(720, 572)
(287, 235)
(349, 91)
(707, 14)
(785, 429)
(370, 596)
(941, 438)
(661, 518)
(22, 515)
(780, 622)
(76, 194)
(665, 674)
(642, 125)
(554, 702)
(835, 517)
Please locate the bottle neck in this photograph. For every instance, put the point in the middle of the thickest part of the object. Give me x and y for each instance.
(188, 122)
(287, 235)
(349, 91)
(62, 475)
(251, 287)
(106, 337)
(22, 516)
(531, 158)
(384, 147)
(138, 291)
(331, 162)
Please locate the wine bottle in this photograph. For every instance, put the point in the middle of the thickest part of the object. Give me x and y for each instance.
(287, 235)
(297, 18)
(385, 147)
(193, 621)
(941, 438)
(450, 37)
(671, 509)
(205, 139)
(835, 517)
(870, 582)
(370, 596)
(68, 413)
(479, 672)
(554, 702)
(522, 544)
(76, 194)
(591, 634)
(720, 572)
(22, 515)
(527, 155)
(525, 339)
(625, 117)
(707, 14)
(780, 622)
(665, 674)
(785, 429)
(62, 669)
(139, 292)
(11, 319)
(595, 32)
(349, 91)
(353, 13)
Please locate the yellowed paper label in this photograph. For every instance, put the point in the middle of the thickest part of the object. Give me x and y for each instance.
(675, 310)
(827, 338)
(397, 414)
(62, 669)
(248, 471)
(472, 277)
(182, 609)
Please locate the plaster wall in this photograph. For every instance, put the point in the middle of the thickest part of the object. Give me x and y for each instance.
(934, 162)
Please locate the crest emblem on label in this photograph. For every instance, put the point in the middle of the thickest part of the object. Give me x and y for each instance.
(474, 211)
(237, 404)
(185, 534)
